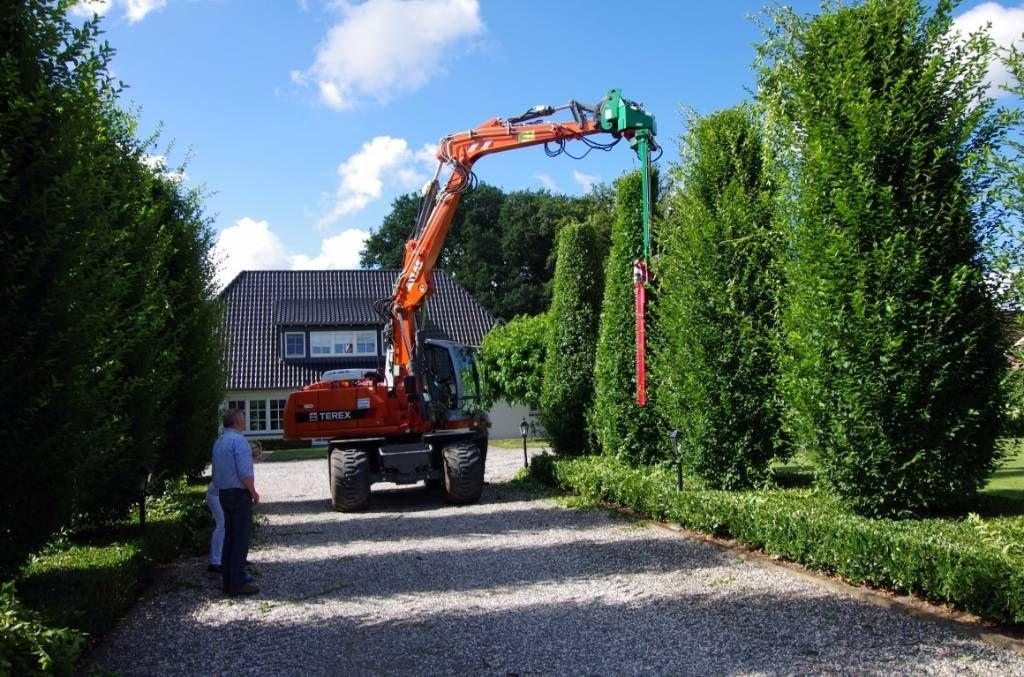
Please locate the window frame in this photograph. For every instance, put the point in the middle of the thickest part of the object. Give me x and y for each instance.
(333, 338)
(291, 355)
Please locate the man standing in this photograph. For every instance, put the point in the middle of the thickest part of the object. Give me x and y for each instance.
(234, 479)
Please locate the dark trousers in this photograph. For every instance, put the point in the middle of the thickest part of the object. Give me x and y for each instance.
(237, 507)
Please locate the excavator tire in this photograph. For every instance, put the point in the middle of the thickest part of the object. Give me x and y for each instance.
(350, 479)
(463, 473)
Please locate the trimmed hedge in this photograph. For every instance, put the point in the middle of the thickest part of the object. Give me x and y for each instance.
(568, 386)
(89, 580)
(715, 320)
(883, 125)
(620, 425)
(971, 563)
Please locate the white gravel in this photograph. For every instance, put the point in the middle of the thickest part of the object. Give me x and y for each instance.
(513, 585)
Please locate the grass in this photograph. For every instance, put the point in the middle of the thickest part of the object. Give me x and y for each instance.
(309, 453)
(1008, 481)
(517, 443)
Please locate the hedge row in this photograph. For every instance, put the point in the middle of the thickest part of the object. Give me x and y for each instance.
(974, 564)
(83, 583)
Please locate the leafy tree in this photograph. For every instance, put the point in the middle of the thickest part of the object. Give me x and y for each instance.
(568, 385)
(512, 360)
(880, 117)
(622, 427)
(500, 246)
(716, 313)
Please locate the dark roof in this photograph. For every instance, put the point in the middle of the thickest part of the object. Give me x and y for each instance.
(327, 312)
(259, 303)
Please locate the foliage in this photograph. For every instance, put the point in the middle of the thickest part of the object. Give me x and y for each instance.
(880, 120)
(112, 361)
(568, 385)
(621, 426)
(512, 360)
(500, 246)
(716, 314)
(28, 647)
(88, 579)
(963, 562)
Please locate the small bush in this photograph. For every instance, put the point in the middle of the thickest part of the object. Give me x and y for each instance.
(512, 360)
(29, 647)
(89, 579)
(972, 563)
(568, 386)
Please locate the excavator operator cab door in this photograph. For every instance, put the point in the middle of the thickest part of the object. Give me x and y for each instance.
(452, 384)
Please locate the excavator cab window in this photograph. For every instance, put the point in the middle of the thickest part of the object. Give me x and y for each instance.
(441, 383)
(469, 380)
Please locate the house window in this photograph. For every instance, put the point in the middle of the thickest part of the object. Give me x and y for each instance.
(277, 414)
(295, 344)
(342, 343)
(257, 415)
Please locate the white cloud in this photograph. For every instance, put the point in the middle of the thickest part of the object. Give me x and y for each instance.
(159, 163)
(86, 8)
(134, 10)
(252, 245)
(382, 48)
(248, 245)
(585, 181)
(362, 175)
(338, 252)
(546, 181)
(1007, 25)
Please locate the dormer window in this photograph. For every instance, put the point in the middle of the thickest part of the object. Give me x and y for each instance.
(342, 343)
(295, 344)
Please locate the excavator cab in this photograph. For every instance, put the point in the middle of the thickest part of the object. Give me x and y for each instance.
(451, 381)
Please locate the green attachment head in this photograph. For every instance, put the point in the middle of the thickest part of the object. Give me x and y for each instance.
(617, 115)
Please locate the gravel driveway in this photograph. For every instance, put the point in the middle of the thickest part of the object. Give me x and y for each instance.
(514, 585)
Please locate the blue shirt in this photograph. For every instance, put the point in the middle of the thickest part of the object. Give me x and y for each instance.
(232, 460)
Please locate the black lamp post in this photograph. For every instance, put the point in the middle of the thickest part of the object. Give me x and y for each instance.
(524, 430)
(144, 477)
(677, 441)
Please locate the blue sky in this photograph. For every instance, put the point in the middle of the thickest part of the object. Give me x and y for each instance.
(303, 119)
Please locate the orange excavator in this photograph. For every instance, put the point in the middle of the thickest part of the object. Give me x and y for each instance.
(420, 418)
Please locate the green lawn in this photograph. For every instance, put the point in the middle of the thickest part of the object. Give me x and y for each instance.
(517, 443)
(1008, 480)
(303, 454)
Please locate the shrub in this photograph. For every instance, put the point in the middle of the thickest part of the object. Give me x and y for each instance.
(974, 564)
(512, 360)
(90, 579)
(568, 385)
(29, 647)
(716, 313)
(620, 425)
(894, 352)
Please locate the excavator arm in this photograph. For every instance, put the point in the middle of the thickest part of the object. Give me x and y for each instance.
(459, 152)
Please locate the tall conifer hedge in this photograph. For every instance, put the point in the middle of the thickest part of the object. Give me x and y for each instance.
(111, 363)
(622, 428)
(568, 386)
(894, 350)
(716, 319)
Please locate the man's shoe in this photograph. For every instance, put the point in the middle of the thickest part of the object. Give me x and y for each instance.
(214, 569)
(247, 589)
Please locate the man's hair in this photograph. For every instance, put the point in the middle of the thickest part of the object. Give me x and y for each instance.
(231, 415)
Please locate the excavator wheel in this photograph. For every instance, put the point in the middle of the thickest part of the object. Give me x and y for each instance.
(463, 473)
(350, 479)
